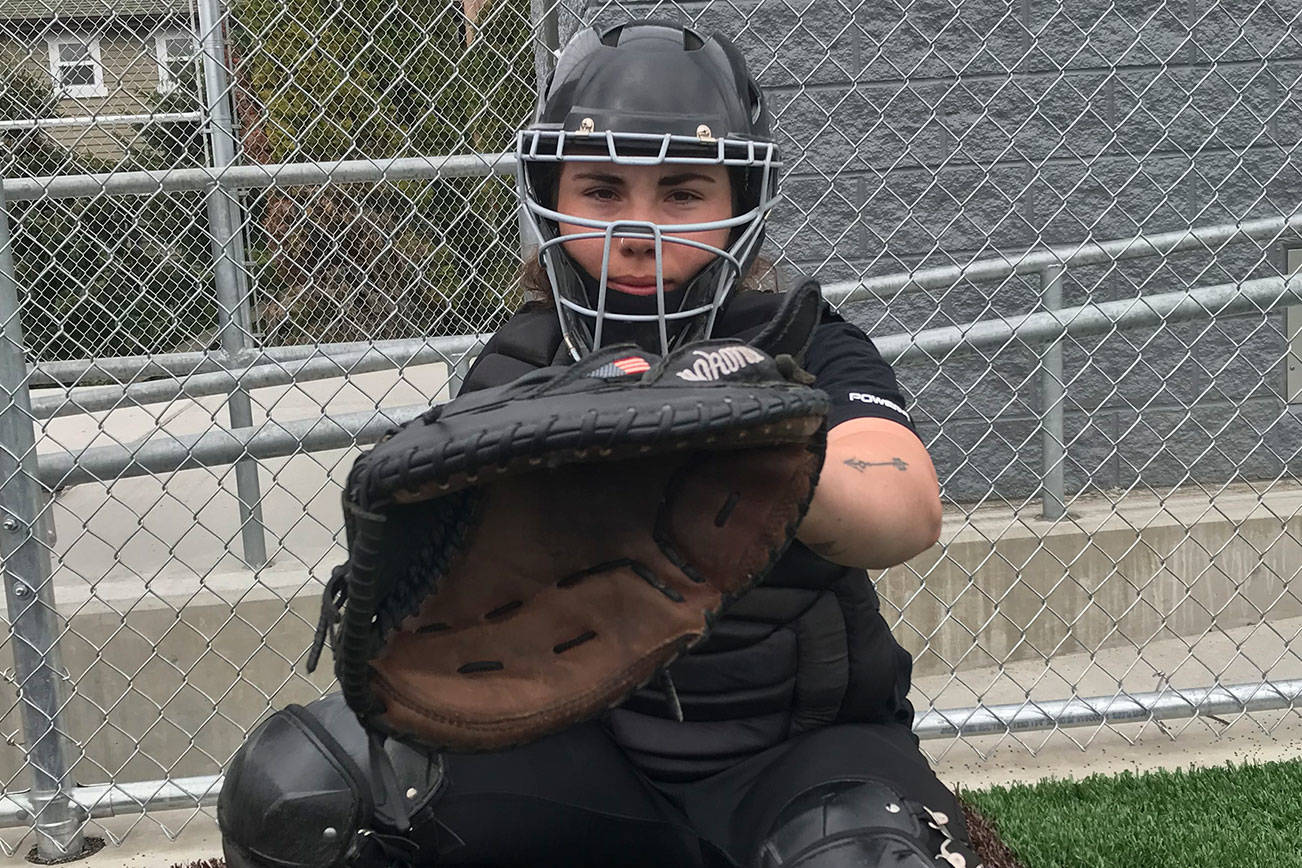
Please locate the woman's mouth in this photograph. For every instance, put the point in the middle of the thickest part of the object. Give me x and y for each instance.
(635, 285)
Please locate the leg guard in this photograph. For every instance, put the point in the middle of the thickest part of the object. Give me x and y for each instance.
(301, 792)
(863, 824)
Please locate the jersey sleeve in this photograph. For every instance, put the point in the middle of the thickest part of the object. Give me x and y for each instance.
(847, 366)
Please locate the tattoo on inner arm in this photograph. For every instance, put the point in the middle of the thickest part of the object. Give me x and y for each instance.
(860, 465)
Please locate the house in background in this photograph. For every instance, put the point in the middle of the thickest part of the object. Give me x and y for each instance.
(102, 64)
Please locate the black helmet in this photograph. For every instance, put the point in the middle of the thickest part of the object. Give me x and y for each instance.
(647, 93)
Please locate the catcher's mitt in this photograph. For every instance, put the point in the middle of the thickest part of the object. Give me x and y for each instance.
(523, 557)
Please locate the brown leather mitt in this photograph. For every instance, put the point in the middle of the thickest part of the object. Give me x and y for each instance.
(524, 557)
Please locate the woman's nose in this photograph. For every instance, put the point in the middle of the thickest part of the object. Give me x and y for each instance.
(634, 232)
(639, 245)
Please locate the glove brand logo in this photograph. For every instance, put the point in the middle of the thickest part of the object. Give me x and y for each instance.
(713, 364)
(873, 399)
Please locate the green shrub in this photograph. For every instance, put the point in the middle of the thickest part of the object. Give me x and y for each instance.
(22, 97)
(103, 276)
(361, 79)
(172, 143)
(97, 281)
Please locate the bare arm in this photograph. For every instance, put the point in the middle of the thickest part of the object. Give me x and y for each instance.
(878, 501)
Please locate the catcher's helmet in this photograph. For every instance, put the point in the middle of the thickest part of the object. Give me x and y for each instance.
(647, 93)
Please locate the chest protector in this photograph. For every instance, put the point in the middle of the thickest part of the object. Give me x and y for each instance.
(806, 648)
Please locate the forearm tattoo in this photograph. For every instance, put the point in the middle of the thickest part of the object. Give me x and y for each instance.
(833, 548)
(861, 465)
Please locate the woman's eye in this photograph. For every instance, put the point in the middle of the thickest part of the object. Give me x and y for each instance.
(603, 194)
(683, 196)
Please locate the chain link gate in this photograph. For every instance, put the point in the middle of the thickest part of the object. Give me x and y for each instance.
(239, 239)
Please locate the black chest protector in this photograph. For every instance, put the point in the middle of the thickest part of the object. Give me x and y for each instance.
(806, 648)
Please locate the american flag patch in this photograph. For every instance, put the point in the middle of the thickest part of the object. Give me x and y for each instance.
(621, 368)
(632, 365)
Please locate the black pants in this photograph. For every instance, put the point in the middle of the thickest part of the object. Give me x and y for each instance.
(575, 798)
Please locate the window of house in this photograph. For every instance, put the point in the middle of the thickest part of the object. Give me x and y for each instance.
(175, 51)
(75, 66)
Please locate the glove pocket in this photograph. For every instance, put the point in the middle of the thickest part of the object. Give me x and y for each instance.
(727, 516)
(560, 604)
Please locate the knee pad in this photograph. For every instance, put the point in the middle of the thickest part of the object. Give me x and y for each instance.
(300, 793)
(864, 824)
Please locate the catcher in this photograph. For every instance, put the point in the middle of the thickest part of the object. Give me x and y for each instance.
(609, 606)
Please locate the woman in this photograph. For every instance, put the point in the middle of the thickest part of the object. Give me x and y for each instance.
(647, 177)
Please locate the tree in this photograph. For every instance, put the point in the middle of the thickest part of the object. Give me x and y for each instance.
(172, 143)
(371, 79)
(105, 275)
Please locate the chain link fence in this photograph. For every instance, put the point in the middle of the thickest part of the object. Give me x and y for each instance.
(238, 239)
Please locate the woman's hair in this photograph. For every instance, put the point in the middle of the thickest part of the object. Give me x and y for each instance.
(763, 276)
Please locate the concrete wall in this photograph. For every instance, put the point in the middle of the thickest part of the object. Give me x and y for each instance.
(1126, 572)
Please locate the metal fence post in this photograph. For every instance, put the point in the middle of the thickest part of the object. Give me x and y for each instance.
(234, 318)
(29, 593)
(1053, 486)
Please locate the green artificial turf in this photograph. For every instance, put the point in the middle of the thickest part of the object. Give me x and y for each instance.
(1229, 817)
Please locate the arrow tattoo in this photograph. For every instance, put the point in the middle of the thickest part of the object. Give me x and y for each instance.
(860, 465)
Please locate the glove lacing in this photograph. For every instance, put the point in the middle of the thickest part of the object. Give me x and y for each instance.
(332, 603)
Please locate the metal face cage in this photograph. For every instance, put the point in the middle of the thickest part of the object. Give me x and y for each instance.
(584, 310)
